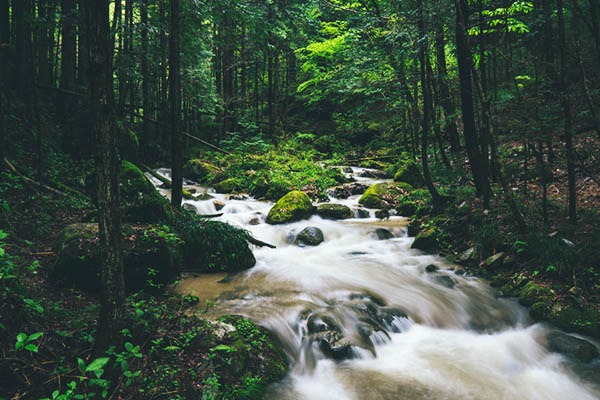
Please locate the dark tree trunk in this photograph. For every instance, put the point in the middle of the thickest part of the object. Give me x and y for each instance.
(144, 69)
(568, 121)
(69, 44)
(42, 43)
(463, 53)
(175, 103)
(228, 70)
(437, 200)
(107, 171)
(83, 57)
(4, 44)
(445, 100)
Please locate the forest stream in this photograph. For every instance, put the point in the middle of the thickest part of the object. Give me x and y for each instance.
(363, 316)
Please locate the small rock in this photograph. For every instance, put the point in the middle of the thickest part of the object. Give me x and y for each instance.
(445, 281)
(239, 197)
(431, 268)
(467, 255)
(254, 221)
(362, 213)
(190, 207)
(218, 205)
(382, 214)
(425, 241)
(493, 261)
(347, 170)
(334, 211)
(309, 236)
(382, 234)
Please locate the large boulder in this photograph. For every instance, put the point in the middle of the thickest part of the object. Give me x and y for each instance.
(214, 246)
(425, 240)
(229, 185)
(571, 346)
(384, 195)
(334, 211)
(409, 172)
(152, 254)
(294, 206)
(347, 190)
(309, 236)
(140, 201)
(199, 170)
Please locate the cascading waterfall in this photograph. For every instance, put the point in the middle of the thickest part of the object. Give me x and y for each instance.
(364, 318)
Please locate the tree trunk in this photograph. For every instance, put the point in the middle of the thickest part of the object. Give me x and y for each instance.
(69, 44)
(463, 53)
(445, 100)
(107, 172)
(4, 44)
(175, 103)
(83, 57)
(42, 43)
(568, 134)
(144, 69)
(436, 198)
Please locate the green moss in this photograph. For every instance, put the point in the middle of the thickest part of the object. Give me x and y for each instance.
(200, 171)
(534, 293)
(211, 246)
(294, 206)
(334, 211)
(409, 172)
(583, 319)
(151, 253)
(426, 240)
(229, 185)
(384, 195)
(140, 201)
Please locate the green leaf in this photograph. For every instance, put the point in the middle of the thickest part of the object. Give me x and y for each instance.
(35, 336)
(21, 337)
(31, 347)
(80, 364)
(97, 364)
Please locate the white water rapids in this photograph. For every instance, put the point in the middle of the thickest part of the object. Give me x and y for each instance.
(456, 341)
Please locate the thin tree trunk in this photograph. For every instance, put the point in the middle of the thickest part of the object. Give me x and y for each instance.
(436, 198)
(568, 126)
(175, 103)
(83, 64)
(112, 295)
(42, 43)
(445, 100)
(144, 69)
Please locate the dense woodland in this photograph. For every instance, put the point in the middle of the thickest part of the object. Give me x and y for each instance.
(494, 102)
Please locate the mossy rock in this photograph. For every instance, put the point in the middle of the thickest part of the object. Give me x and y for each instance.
(426, 240)
(248, 353)
(583, 319)
(294, 206)
(140, 201)
(229, 185)
(334, 211)
(200, 170)
(150, 253)
(409, 172)
(571, 346)
(534, 293)
(384, 195)
(128, 143)
(213, 246)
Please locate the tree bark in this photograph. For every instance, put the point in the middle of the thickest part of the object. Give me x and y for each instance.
(568, 118)
(445, 100)
(463, 53)
(436, 198)
(4, 43)
(175, 103)
(107, 170)
(83, 56)
(144, 69)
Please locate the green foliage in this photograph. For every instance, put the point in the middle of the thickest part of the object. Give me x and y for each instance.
(26, 342)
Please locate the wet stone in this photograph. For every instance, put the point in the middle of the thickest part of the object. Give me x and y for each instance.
(446, 281)
(382, 234)
(309, 236)
(190, 207)
(431, 268)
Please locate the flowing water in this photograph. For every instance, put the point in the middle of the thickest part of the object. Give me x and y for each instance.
(362, 318)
